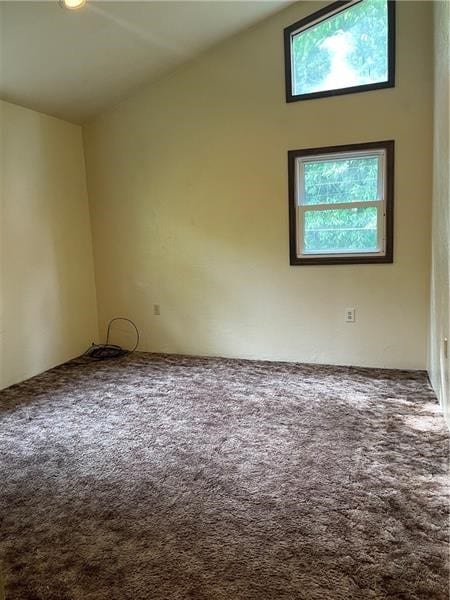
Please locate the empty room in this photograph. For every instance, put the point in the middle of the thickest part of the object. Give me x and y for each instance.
(224, 300)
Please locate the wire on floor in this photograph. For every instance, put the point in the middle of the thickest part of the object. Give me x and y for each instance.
(106, 351)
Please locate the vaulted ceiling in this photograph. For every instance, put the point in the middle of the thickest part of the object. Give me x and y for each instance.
(72, 64)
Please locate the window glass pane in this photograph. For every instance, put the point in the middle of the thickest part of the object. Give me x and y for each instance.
(346, 50)
(341, 180)
(341, 230)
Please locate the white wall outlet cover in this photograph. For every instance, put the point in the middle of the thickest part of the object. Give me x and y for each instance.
(350, 315)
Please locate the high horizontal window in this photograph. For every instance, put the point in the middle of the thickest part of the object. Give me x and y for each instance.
(341, 204)
(346, 47)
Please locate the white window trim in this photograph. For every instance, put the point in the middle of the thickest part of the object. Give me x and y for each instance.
(380, 203)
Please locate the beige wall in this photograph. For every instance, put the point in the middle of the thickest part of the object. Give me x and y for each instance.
(188, 190)
(48, 304)
(440, 287)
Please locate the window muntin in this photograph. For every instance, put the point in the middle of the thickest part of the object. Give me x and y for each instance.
(341, 204)
(345, 47)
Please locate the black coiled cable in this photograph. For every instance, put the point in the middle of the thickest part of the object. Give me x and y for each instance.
(107, 350)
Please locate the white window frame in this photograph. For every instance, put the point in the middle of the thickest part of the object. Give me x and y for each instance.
(384, 202)
(380, 203)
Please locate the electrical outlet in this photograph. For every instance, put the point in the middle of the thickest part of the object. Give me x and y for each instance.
(349, 315)
(156, 310)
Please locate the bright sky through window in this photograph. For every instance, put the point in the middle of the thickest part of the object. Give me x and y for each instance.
(340, 50)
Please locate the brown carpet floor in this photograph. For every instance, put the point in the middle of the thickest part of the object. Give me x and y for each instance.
(163, 477)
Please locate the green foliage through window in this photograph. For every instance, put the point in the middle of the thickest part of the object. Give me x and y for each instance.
(349, 229)
(341, 204)
(341, 180)
(345, 50)
(333, 181)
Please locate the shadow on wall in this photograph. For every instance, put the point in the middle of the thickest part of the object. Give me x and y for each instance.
(33, 268)
(47, 288)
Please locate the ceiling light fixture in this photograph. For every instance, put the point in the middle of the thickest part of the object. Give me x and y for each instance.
(72, 4)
